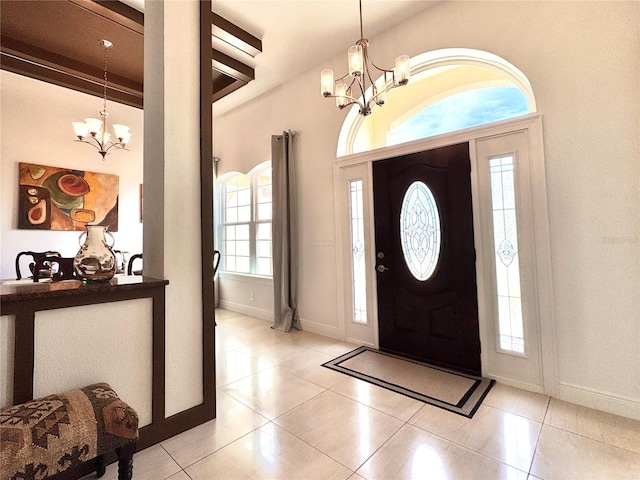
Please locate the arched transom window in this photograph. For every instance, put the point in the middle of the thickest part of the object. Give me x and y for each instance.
(449, 90)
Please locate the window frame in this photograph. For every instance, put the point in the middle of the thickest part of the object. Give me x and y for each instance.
(252, 224)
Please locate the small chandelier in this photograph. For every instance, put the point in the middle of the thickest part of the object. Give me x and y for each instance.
(345, 88)
(99, 137)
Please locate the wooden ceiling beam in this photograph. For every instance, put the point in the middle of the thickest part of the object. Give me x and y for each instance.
(231, 67)
(116, 12)
(64, 79)
(235, 36)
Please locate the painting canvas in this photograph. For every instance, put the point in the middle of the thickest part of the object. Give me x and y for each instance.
(53, 198)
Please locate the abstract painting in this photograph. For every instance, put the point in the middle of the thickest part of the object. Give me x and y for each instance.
(53, 198)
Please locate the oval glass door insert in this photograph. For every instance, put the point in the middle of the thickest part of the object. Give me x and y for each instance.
(420, 231)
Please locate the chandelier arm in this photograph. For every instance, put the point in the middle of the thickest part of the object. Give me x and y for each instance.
(96, 146)
(362, 86)
(379, 94)
(352, 100)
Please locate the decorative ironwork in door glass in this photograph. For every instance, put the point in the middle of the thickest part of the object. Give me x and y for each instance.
(420, 234)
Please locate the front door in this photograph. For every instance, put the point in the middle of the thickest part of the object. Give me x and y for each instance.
(426, 280)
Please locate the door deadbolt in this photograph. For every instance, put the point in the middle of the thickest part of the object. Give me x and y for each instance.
(380, 255)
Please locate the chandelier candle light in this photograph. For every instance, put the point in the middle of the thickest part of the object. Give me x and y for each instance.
(99, 137)
(346, 87)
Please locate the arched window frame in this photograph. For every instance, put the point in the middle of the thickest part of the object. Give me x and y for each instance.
(442, 58)
(258, 224)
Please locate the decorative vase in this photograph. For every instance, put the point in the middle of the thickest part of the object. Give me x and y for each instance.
(95, 261)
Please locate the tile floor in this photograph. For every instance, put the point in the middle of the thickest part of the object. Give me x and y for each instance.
(282, 415)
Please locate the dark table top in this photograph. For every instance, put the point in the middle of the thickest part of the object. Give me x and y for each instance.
(20, 290)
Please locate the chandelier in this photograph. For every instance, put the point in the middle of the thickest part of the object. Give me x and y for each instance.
(95, 131)
(357, 81)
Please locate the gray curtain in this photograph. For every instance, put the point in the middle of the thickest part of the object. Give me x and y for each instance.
(285, 311)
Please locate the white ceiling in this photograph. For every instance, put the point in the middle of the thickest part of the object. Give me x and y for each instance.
(298, 35)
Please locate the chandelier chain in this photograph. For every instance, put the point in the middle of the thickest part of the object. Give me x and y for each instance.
(361, 30)
(105, 77)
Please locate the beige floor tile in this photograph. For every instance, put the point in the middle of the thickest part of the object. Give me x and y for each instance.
(223, 315)
(413, 453)
(272, 393)
(504, 436)
(515, 400)
(232, 336)
(179, 476)
(565, 455)
(391, 403)
(233, 420)
(309, 340)
(152, 463)
(347, 431)
(274, 353)
(268, 453)
(338, 348)
(233, 365)
(355, 476)
(611, 429)
(309, 367)
(245, 321)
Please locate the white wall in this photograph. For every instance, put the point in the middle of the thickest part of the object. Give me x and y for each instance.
(582, 61)
(35, 127)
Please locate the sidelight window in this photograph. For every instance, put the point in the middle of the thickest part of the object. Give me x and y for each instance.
(358, 265)
(505, 241)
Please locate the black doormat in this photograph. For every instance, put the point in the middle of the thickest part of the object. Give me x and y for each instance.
(457, 392)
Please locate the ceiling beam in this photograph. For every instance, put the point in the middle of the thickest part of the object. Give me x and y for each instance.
(235, 36)
(116, 12)
(64, 79)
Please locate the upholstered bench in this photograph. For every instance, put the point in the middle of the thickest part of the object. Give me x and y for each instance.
(43, 437)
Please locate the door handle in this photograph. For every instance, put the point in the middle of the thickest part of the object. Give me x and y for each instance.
(381, 268)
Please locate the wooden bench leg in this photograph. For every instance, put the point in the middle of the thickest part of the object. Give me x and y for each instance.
(101, 466)
(125, 461)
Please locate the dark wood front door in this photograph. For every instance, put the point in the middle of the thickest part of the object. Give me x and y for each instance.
(426, 278)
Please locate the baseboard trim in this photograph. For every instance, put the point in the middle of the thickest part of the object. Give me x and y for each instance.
(604, 401)
(516, 383)
(320, 329)
(246, 310)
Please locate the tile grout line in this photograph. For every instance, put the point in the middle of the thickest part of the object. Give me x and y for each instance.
(535, 448)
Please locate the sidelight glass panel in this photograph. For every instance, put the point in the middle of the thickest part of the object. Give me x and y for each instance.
(420, 231)
(505, 240)
(358, 266)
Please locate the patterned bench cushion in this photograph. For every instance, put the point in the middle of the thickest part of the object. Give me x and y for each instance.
(49, 435)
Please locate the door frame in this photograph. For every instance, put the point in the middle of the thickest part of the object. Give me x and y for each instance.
(362, 165)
